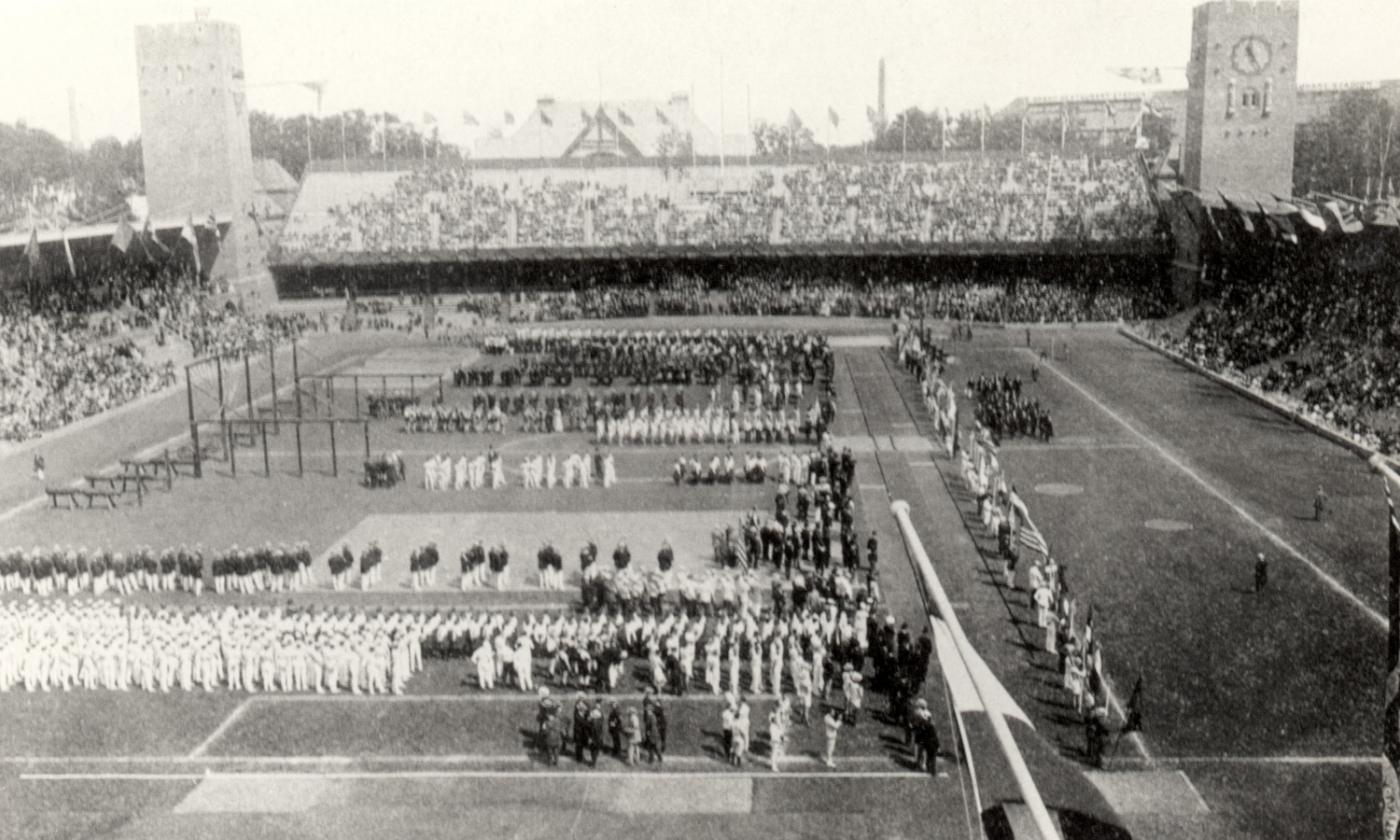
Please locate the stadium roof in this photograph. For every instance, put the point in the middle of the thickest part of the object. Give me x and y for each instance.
(19, 239)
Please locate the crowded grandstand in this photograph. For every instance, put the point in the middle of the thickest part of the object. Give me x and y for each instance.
(975, 485)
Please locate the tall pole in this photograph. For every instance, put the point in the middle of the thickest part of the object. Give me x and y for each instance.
(223, 426)
(194, 427)
(272, 369)
(344, 165)
(690, 121)
(248, 384)
(1025, 783)
(1023, 134)
(748, 122)
(296, 381)
(721, 122)
(308, 140)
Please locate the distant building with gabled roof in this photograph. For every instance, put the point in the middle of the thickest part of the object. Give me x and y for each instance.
(624, 129)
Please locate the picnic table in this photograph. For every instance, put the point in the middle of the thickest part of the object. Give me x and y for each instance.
(72, 494)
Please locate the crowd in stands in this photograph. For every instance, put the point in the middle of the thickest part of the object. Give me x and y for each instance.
(794, 291)
(53, 372)
(1321, 338)
(72, 347)
(1023, 199)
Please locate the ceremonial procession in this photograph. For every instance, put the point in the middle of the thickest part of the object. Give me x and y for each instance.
(409, 428)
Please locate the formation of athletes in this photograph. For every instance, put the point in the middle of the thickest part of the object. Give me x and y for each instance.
(771, 619)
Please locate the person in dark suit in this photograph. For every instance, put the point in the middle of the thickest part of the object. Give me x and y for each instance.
(597, 732)
(581, 728)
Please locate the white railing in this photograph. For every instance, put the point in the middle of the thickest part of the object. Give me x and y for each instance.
(1040, 816)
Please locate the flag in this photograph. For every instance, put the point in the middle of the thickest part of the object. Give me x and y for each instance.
(1278, 226)
(1031, 538)
(510, 118)
(1239, 212)
(1145, 75)
(871, 115)
(1108, 109)
(1384, 214)
(1310, 212)
(468, 119)
(1344, 213)
(544, 118)
(213, 225)
(831, 115)
(121, 239)
(187, 233)
(68, 252)
(429, 119)
(148, 235)
(31, 251)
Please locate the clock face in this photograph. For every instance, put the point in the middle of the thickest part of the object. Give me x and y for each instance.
(1251, 55)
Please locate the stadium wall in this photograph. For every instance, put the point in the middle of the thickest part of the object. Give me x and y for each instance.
(1273, 405)
(516, 275)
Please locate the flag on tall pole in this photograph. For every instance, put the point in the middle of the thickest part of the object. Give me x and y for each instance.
(31, 251)
(148, 235)
(187, 233)
(121, 239)
(68, 252)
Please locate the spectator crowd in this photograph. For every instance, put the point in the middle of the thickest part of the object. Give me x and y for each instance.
(1023, 199)
(1320, 336)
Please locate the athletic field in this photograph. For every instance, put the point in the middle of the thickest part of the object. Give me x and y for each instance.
(1158, 492)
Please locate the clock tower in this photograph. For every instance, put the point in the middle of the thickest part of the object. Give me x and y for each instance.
(1241, 96)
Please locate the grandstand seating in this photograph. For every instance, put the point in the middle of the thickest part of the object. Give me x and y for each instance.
(962, 200)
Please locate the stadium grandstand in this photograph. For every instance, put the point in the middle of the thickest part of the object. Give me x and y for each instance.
(625, 476)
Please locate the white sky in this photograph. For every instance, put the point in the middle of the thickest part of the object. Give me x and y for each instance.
(446, 56)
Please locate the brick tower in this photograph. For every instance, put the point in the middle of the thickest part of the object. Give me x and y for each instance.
(195, 140)
(1241, 95)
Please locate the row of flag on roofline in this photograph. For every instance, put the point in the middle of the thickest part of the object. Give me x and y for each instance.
(468, 118)
(1232, 218)
(124, 237)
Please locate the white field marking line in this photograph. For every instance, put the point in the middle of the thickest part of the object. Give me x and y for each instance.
(141, 455)
(1305, 760)
(1322, 575)
(1060, 447)
(223, 727)
(582, 773)
(477, 697)
(347, 760)
(1194, 792)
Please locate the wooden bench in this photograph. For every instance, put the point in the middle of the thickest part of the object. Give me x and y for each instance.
(68, 493)
(92, 495)
(126, 479)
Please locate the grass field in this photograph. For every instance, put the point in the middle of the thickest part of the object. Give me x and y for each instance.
(1158, 492)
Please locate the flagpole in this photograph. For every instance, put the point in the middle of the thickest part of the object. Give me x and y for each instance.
(1023, 133)
(308, 139)
(690, 119)
(721, 122)
(748, 123)
(344, 165)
